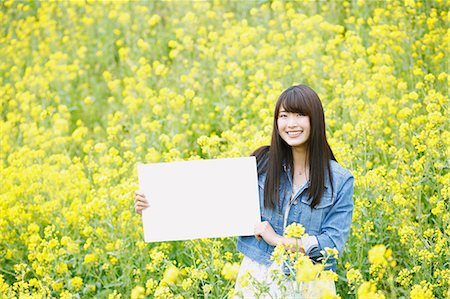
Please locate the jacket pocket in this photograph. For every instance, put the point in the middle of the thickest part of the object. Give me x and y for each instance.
(326, 201)
(319, 212)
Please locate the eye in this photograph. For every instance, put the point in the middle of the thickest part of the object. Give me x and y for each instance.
(300, 114)
(282, 115)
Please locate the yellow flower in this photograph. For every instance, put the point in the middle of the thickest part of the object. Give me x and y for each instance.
(422, 291)
(294, 230)
(328, 275)
(150, 286)
(331, 252)
(88, 100)
(306, 269)
(138, 292)
(115, 295)
(244, 280)
(57, 286)
(170, 275)
(429, 77)
(189, 94)
(90, 258)
(230, 271)
(377, 255)
(354, 278)
(368, 290)
(186, 284)
(207, 288)
(163, 292)
(113, 260)
(100, 147)
(279, 254)
(65, 295)
(76, 282)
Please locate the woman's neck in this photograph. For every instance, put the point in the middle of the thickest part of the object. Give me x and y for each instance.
(300, 173)
(300, 158)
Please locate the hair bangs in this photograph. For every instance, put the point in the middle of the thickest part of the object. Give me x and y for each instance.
(293, 100)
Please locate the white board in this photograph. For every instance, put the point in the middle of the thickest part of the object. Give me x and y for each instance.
(200, 199)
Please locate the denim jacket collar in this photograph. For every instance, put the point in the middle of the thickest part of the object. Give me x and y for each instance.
(287, 170)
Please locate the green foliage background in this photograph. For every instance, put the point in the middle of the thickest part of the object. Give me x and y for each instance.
(89, 89)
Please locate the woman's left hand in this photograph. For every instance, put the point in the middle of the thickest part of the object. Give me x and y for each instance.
(264, 230)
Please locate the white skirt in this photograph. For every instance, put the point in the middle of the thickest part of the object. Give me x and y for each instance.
(262, 274)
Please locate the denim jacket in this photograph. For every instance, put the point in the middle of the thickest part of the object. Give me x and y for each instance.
(329, 221)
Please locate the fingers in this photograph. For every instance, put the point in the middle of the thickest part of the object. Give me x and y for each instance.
(142, 205)
(259, 230)
(140, 193)
(140, 202)
(262, 230)
(140, 197)
(139, 207)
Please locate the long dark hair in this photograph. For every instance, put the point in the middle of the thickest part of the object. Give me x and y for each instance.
(298, 99)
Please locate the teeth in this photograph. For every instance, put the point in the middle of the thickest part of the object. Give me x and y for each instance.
(294, 133)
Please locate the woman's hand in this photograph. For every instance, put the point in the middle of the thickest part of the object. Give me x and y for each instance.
(265, 231)
(140, 202)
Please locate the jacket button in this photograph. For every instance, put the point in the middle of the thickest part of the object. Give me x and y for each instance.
(295, 202)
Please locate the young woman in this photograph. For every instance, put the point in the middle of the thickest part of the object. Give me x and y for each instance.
(299, 182)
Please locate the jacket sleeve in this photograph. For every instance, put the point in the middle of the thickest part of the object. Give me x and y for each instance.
(336, 225)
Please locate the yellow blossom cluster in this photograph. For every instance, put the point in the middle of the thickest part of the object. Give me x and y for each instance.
(294, 230)
(299, 270)
(88, 89)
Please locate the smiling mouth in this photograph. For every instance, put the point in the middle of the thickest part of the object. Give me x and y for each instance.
(294, 133)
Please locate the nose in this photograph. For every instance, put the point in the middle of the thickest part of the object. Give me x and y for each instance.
(291, 122)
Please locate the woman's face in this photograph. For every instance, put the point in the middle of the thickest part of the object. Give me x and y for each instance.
(293, 128)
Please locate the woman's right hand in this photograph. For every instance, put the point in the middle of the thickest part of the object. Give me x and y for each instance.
(140, 202)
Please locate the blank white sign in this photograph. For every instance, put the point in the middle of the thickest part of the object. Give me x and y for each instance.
(200, 199)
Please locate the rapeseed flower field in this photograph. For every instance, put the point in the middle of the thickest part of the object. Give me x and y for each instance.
(89, 89)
